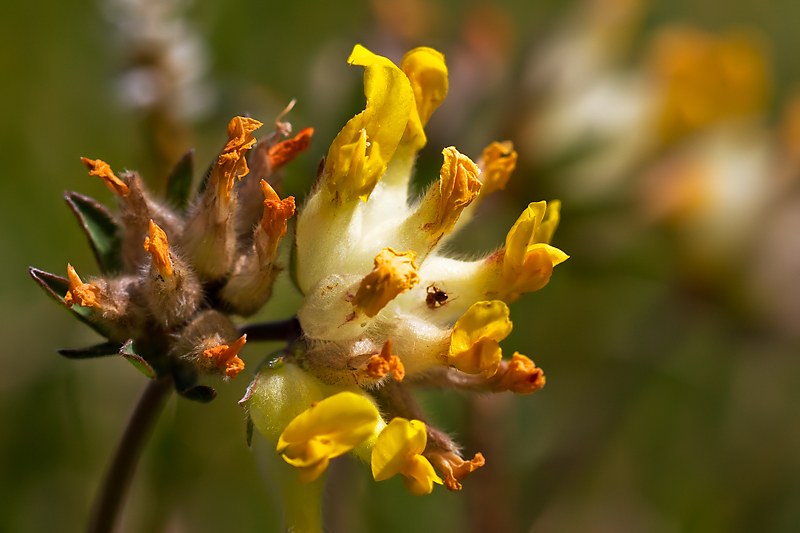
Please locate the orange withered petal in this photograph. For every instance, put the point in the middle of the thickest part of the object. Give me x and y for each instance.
(454, 469)
(277, 212)
(158, 247)
(103, 170)
(497, 163)
(381, 364)
(83, 294)
(520, 376)
(285, 151)
(231, 163)
(225, 357)
(394, 274)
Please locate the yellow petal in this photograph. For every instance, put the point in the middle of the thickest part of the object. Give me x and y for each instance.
(419, 476)
(544, 233)
(535, 272)
(360, 152)
(398, 450)
(427, 72)
(474, 342)
(520, 237)
(326, 430)
(400, 439)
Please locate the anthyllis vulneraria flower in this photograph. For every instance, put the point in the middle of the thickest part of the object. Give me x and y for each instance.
(384, 311)
(174, 272)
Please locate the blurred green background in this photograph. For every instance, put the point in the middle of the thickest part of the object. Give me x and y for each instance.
(672, 401)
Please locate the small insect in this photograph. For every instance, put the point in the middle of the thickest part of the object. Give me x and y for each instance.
(436, 297)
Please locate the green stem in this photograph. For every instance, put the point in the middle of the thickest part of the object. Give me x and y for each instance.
(118, 478)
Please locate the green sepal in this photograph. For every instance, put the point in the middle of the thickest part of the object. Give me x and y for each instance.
(101, 228)
(56, 287)
(98, 350)
(249, 432)
(199, 393)
(179, 182)
(128, 351)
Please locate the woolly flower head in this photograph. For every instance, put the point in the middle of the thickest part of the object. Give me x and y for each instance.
(384, 309)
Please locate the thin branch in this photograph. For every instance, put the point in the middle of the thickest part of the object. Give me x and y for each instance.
(118, 478)
(284, 330)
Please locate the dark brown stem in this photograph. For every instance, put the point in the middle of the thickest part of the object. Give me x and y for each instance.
(284, 330)
(118, 478)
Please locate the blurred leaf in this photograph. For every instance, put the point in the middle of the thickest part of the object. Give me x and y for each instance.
(249, 432)
(128, 351)
(293, 264)
(56, 287)
(98, 350)
(179, 182)
(103, 231)
(206, 176)
(200, 393)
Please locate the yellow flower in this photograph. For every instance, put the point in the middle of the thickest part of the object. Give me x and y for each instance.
(474, 342)
(394, 273)
(398, 450)
(427, 72)
(528, 260)
(707, 78)
(360, 152)
(326, 430)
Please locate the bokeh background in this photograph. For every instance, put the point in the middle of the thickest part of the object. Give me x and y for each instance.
(670, 131)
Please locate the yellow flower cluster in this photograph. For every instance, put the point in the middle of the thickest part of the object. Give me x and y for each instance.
(384, 311)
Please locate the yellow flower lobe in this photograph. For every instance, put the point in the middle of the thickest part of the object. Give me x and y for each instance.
(360, 152)
(528, 260)
(427, 72)
(394, 274)
(325, 430)
(474, 342)
(398, 450)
